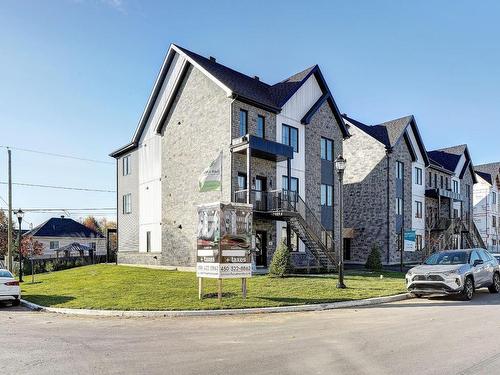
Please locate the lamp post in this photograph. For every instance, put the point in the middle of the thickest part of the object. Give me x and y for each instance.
(20, 215)
(340, 164)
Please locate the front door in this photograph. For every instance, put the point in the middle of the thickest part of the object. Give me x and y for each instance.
(261, 248)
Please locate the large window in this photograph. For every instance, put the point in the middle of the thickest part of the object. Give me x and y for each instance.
(243, 122)
(53, 245)
(127, 203)
(418, 176)
(326, 195)
(126, 165)
(294, 184)
(418, 212)
(400, 170)
(326, 149)
(242, 181)
(399, 206)
(290, 137)
(261, 126)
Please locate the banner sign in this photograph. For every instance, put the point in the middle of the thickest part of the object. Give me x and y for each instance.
(224, 241)
(410, 240)
(211, 178)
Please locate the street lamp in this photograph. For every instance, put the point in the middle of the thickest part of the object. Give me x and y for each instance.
(20, 215)
(340, 164)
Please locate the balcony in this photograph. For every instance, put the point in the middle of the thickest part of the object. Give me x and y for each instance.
(262, 148)
(443, 193)
(268, 201)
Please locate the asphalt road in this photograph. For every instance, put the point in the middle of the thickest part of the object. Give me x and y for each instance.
(437, 336)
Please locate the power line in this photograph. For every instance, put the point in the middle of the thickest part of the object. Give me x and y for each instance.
(69, 209)
(58, 155)
(59, 187)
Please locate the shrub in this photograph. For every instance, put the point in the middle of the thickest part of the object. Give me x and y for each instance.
(281, 263)
(49, 266)
(374, 262)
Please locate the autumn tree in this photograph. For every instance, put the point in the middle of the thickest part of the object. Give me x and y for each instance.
(92, 223)
(30, 247)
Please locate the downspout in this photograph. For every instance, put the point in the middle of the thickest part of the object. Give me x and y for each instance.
(387, 155)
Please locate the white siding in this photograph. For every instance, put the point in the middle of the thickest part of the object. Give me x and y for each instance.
(484, 210)
(418, 191)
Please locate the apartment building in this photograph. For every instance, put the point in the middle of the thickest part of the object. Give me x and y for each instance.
(384, 189)
(487, 204)
(449, 194)
(278, 144)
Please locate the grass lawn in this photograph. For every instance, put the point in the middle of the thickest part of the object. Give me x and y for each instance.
(132, 288)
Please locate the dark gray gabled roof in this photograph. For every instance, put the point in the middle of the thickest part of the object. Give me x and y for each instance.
(490, 172)
(449, 157)
(390, 132)
(63, 227)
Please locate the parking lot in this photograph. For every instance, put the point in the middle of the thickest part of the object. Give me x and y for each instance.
(436, 336)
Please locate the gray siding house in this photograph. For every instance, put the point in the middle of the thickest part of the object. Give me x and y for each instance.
(278, 145)
(384, 189)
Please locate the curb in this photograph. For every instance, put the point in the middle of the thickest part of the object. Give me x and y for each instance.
(255, 310)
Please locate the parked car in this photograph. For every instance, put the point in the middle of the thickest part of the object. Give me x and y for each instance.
(9, 288)
(458, 272)
(497, 257)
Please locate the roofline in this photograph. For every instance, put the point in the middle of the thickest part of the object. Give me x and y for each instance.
(128, 147)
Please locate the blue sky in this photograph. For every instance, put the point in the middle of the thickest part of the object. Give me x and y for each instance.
(75, 74)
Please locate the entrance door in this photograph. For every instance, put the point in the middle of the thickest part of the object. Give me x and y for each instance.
(260, 198)
(261, 248)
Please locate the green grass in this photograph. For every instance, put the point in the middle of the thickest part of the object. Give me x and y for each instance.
(133, 288)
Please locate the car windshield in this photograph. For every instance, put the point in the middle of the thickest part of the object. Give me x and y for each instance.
(4, 273)
(448, 257)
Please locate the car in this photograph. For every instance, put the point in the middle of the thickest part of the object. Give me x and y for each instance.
(458, 272)
(497, 256)
(9, 288)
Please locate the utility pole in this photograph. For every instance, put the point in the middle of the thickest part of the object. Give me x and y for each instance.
(9, 228)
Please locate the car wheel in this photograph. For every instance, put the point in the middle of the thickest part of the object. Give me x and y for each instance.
(495, 287)
(16, 302)
(468, 291)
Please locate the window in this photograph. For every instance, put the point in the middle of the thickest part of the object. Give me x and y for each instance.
(430, 178)
(126, 165)
(92, 245)
(467, 191)
(242, 181)
(294, 182)
(148, 241)
(418, 242)
(418, 213)
(494, 221)
(326, 195)
(326, 149)
(290, 137)
(54, 245)
(435, 180)
(261, 126)
(418, 176)
(455, 186)
(400, 170)
(493, 197)
(447, 183)
(127, 204)
(399, 206)
(442, 182)
(243, 122)
(473, 257)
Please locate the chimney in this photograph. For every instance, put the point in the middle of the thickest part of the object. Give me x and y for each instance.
(62, 216)
(256, 78)
(212, 58)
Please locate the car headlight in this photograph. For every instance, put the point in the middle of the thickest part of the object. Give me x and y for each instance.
(451, 273)
(409, 274)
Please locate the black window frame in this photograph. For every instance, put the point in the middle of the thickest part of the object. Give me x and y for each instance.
(328, 202)
(284, 181)
(242, 175)
(148, 241)
(398, 206)
(288, 129)
(126, 170)
(400, 170)
(419, 214)
(245, 112)
(124, 205)
(326, 142)
(263, 118)
(418, 176)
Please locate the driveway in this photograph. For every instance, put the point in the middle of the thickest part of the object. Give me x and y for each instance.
(437, 336)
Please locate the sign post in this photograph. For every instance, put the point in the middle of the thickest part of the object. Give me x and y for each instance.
(224, 244)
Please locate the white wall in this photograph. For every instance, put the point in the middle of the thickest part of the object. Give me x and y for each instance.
(292, 112)
(150, 156)
(418, 191)
(484, 210)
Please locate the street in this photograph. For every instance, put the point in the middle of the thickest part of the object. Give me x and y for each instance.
(419, 336)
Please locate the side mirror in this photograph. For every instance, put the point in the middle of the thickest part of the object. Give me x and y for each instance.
(477, 262)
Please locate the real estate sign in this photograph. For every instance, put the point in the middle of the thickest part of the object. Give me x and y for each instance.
(410, 240)
(224, 241)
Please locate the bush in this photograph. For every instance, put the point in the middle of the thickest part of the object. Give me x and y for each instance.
(374, 262)
(49, 266)
(281, 263)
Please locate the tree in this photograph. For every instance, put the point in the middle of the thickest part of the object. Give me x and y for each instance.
(106, 224)
(374, 262)
(281, 263)
(92, 223)
(31, 248)
(4, 225)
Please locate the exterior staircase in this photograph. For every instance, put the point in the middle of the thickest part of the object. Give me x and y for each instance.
(288, 206)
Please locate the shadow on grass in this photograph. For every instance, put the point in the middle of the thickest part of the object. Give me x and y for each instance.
(215, 295)
(304, 301)
(47, 300)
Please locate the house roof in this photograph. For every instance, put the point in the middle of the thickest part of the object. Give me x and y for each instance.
(390, 132)
(245, 88)
(488, 171)
(449, 157)
(63, 227)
